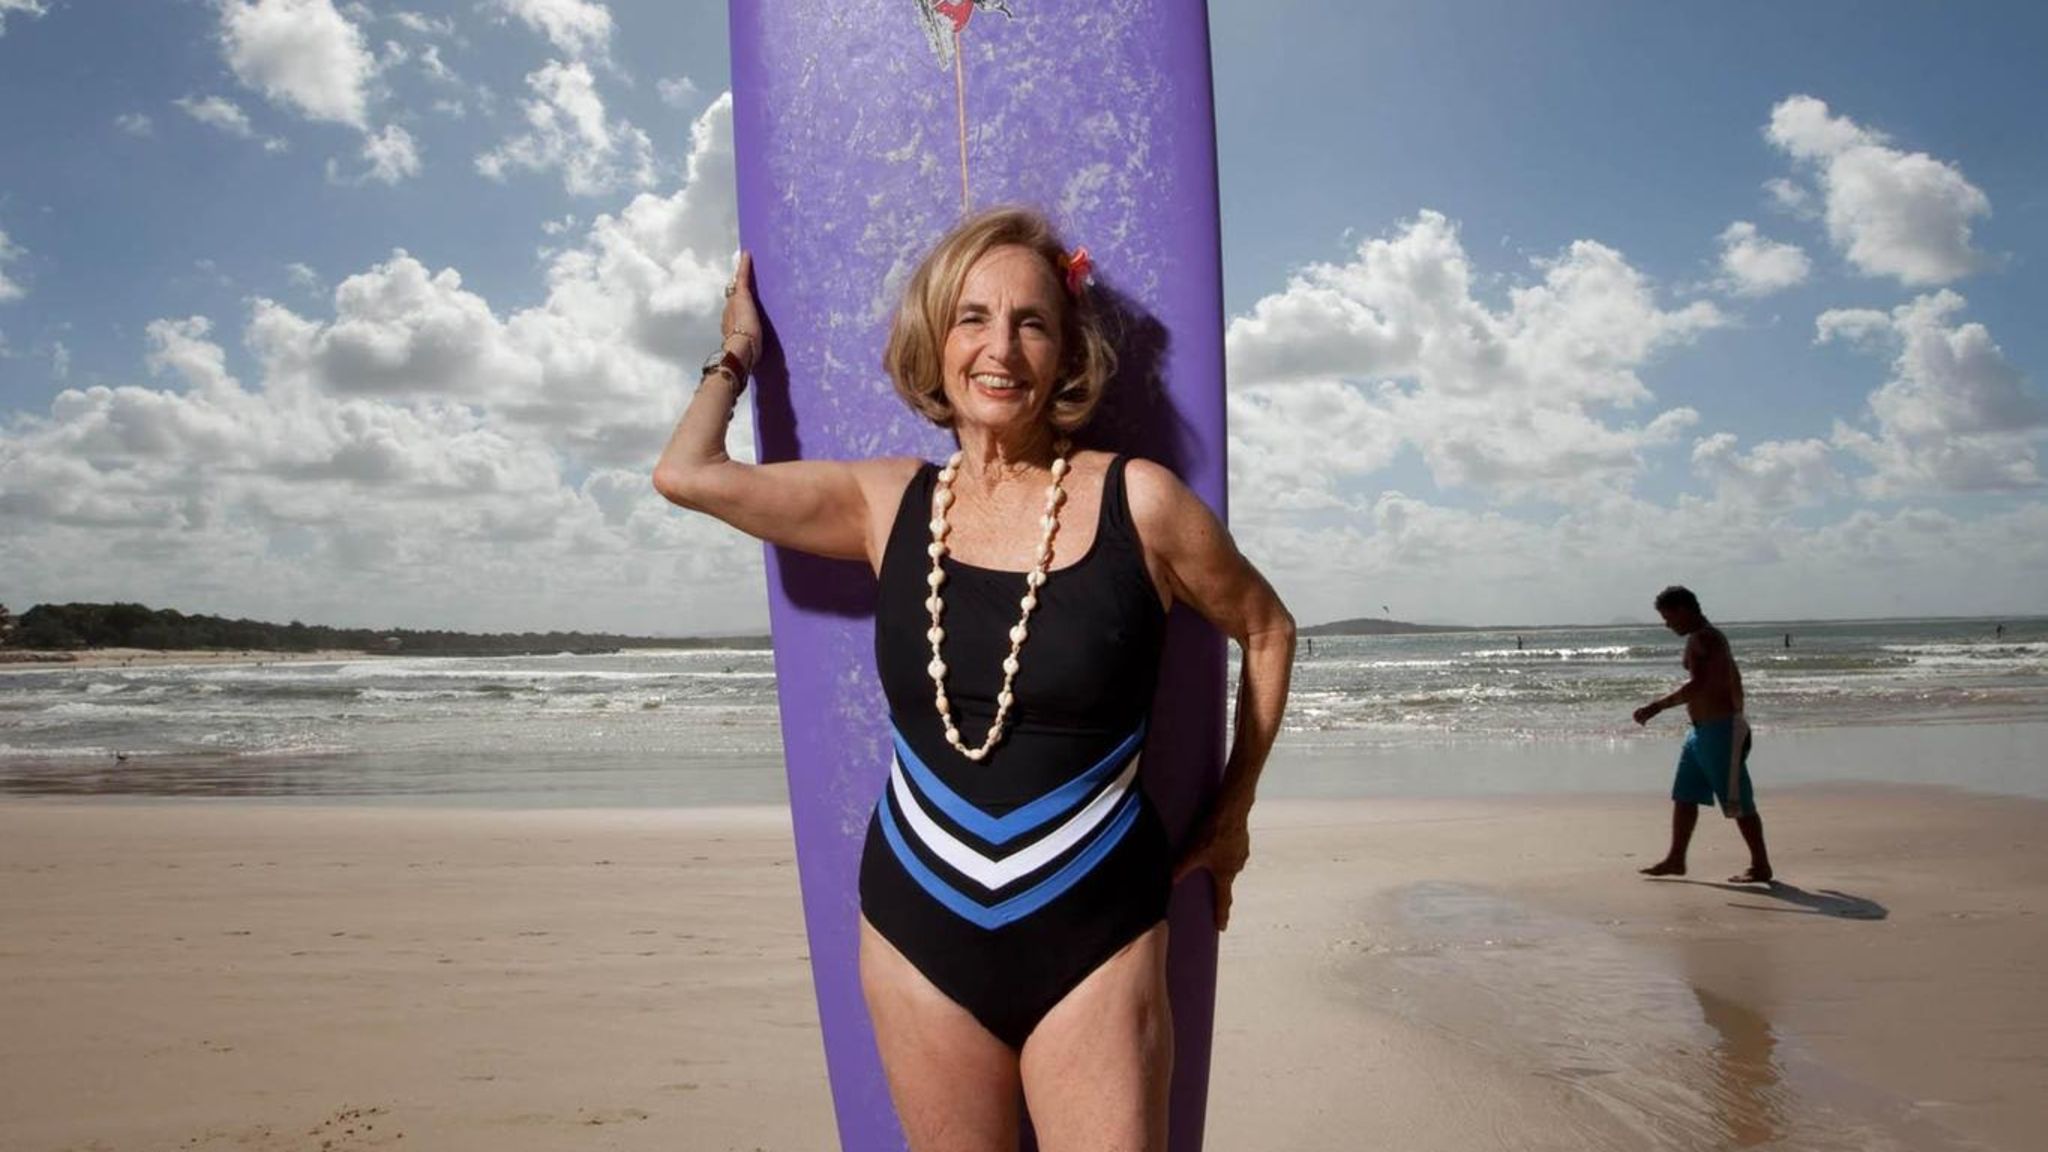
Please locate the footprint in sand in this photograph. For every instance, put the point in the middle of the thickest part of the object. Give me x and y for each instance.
(347, 1129)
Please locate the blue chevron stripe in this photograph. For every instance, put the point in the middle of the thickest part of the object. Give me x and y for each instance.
(1000, 830)
(1024, 903)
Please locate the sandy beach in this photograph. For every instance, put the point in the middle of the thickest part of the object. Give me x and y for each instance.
(1411, 974)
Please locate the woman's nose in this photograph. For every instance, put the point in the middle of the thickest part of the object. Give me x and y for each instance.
(1001, 341)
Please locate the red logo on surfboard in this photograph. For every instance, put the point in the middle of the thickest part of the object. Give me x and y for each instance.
(945, 22)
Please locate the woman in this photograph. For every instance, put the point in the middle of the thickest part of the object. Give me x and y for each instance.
(1015, 878)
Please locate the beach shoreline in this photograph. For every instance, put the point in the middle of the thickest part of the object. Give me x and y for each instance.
(165, 657)
(1417, 973)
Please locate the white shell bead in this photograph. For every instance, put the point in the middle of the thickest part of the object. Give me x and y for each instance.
(942, 499)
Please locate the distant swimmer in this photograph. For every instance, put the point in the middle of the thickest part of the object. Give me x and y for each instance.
(1308, 646)
(1518, 643)
(1788, 639)
(1713, 765)
(2000, 634)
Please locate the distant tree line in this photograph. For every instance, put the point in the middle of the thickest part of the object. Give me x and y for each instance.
(67, 626)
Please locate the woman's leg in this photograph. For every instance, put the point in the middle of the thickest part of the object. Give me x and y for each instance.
(1098, 1068)
(955, 1086)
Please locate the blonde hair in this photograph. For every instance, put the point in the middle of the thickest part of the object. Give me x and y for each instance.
(914, 358)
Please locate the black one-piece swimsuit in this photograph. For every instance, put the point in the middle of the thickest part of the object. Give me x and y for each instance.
(1006, 882)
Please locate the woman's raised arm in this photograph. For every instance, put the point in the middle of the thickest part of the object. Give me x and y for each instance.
(836, 508)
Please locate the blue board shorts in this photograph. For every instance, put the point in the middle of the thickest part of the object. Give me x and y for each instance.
(1713, 752)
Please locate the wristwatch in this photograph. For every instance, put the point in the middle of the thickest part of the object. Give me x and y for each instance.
(724, 360)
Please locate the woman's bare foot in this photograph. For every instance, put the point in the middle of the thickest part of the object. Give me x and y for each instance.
(1665, 867)
(1753, 875)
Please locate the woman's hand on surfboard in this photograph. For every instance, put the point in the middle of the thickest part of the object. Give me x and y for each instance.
(740, 326)
(1221, 847)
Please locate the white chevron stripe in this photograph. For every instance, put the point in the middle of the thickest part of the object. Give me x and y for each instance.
(993, 874)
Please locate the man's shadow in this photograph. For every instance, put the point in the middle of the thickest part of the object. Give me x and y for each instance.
(1828, 902)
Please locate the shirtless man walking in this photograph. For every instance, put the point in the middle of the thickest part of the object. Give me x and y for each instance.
(1713, 767)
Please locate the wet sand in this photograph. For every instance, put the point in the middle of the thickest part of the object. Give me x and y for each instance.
(1412, 974)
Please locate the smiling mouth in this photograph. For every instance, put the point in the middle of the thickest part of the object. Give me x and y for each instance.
(999, 385)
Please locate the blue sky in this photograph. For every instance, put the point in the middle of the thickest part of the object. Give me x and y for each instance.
(370, 313)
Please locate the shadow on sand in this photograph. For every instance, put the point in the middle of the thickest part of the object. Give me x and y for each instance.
(1825, 902)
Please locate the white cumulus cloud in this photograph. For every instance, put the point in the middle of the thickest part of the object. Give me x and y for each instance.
(227, 116)
(10, 252)
(29, 8)
(1774, 474)
(1789, 195)
(1754, 265)
(568, 131)
(392, 155)
(414, 456)
(218, 112)
(432, 65)
(677, 91)
(1955, 415)
(304, 277)
(1891, 213)
(302, 54)
(423, 24)
(1516, 402)
(577, 28)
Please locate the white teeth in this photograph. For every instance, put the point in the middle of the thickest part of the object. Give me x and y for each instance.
(995, 383)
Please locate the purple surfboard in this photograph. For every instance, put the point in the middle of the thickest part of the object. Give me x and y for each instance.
(863, 128)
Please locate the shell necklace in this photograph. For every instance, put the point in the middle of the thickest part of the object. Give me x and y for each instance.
(942, 499)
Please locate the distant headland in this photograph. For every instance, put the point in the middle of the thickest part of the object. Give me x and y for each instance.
(1378, 626)
(55, 631)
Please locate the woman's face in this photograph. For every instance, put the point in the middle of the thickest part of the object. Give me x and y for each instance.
(1002, 355)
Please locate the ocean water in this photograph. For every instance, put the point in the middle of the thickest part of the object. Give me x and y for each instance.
(652, 728)
(1578, 682)
(1445, 713)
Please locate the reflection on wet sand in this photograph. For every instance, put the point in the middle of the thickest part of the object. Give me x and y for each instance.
(1748, 1097)
(218, 777)
(1644, 1054)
